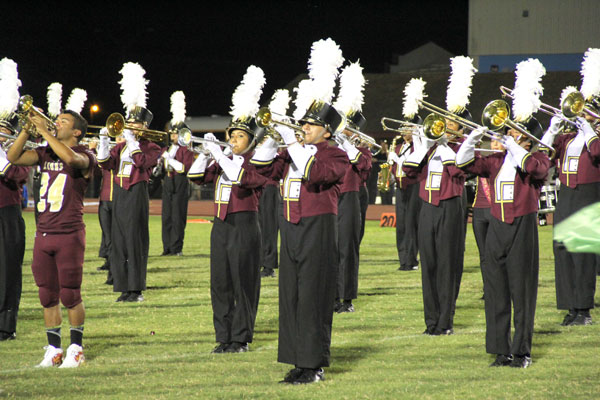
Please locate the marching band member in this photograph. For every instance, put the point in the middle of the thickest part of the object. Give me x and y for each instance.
(309, 257)
(12, 226)
(349, 103)
(175, 186)
(59, 246)
(511, 263)
(408, 202)
(577, 159)
(132, 162)
(235, 240)
(270, 202)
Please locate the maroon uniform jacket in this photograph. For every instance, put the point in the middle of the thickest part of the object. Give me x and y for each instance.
(434, 187)
(232, 198)
(358, 171)
(527, 183)
(106, 190)
(12, 179)
(314, 191)
(61, 192)
(137, 169)
(574, 171)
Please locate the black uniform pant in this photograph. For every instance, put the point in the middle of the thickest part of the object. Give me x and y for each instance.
(130, 238)
(235, 248)
(363, 195)
(348, 220)
(268, 210)
(441, 251)
(481, 223)
(307, 286)
(511, 276)
(105, 218)
(175, 195)
(575, 273)
(408, 206)
(12, 242)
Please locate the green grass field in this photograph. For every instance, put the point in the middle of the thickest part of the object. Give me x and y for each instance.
(378, 352)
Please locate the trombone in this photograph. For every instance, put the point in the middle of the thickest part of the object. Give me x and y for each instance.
(115, 124)
(571, 106)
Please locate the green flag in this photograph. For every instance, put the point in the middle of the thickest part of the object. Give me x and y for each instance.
(580, 233)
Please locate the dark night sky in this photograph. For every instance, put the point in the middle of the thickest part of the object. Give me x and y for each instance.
(205, 50)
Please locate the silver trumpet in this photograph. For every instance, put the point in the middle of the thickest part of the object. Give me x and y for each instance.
(29, 145)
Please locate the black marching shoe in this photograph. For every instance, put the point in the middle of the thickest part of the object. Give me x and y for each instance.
(309, 375)
(123, 296)
(502, 361)
(220, 348)
(429, 331)
(237, 347)
(267, 273)
(582, 318)
(165, 253)
(337, 305)
(7, 336)
(134, 297)
(520, 361)
(104, 267)
(408, 268)
(346, 306)
(569, 318)
(443, 332)
(292, 375)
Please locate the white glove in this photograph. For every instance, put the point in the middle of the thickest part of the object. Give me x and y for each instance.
(103, 147)
(176, 165)
(287, 134)
(552, 131)
(213, 148)
(231, 168)
(586, 128)
(348, 147)
(474, 137)
(166, 155)
(132, 143)
(266, 152)
(517, 152)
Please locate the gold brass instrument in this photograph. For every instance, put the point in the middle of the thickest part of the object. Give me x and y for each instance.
(264, 119)
(434, 127)
(496, 115)
(115, 124)
(571, 106)
(358, 137)
(404, 127)
(25, 109)
(384, 178)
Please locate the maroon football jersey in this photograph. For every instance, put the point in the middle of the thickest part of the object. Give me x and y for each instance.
(61, 192)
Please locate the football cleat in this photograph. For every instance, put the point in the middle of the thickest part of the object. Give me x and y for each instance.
(74, 357)
(52, 357)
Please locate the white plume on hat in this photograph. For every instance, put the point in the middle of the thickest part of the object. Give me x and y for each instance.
(528, 89)
(461, 80)
(177, 107)
(280, 102)
(566, 91)
(413, 94)
(9, 87)
(54, 99)
(590, 71)
(352, 84)
(76, 100)
(133, 86)
(325, 60)
(303, 98)
(245, 98)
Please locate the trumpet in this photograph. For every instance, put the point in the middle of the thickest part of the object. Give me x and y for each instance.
(115, 124)
(264, 119)
(358, 137)
(200, 149)
(25, 109)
